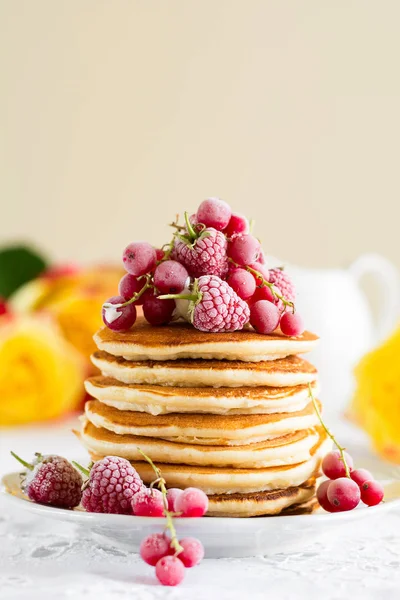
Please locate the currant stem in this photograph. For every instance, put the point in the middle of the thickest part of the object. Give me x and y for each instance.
(328, 432)
(266, 283)
(160, 482)
(23, 462)
(135, 297)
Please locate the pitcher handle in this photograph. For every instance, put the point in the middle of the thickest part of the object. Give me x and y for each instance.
(388, 276)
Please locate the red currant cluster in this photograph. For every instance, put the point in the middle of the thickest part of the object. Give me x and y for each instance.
(345, 487)
(164, 551)
(216, 266)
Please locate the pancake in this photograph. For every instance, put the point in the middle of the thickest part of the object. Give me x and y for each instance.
(159, 400)
(225, 480)
(181, 340)
(284, 372)
(199, 428)
(284, 450)
(260, 503)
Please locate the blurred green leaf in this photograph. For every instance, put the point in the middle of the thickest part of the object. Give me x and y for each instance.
(18, 265)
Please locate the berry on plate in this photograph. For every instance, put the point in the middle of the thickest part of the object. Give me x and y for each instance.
(333, 465)
(344, 493)
(112, 484)
(148, 503)
(192, 503)
(52, 480)
(372, 492)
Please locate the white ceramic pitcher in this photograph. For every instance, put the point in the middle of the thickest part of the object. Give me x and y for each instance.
(336, 308)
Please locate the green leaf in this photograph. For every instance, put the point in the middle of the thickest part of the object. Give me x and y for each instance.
(18, 265)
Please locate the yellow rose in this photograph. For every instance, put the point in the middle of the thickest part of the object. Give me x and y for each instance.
(73, 301)
(376, 402)
(41, 374)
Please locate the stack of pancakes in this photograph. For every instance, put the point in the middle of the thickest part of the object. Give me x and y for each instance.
(228, 413)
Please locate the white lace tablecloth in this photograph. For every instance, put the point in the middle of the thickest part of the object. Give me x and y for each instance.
(42, 559)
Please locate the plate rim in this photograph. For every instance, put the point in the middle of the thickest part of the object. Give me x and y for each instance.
(79, 516)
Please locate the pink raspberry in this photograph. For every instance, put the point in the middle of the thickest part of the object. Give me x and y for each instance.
(206, 255)
(217, 308)
(111, 486)
(52, 480)
(284, 284)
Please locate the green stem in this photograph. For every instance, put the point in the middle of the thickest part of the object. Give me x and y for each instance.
(328, 432)
(192, 234)
(192, 297)
(86, 472)
(23, 462)
(161, 483)
(135, 297)
(266, 283)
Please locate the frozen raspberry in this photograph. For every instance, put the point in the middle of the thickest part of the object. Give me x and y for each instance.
(52, 480)
(111, 486)
(214, 306)
(205, 255)
(284, 284)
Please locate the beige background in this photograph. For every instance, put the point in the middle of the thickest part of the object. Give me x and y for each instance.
(115, 115)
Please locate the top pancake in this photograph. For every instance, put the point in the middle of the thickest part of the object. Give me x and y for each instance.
(182, 340)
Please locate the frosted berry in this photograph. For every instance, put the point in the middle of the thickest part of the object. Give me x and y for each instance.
(192, 503)
(170, 570)
(215, 213)
(172, 495)
(156, 311)
(372, 492)
(215, 306)
(238, 224)
(242, 282)
(264, 316)
(333, 466)
(193, 552)
(292, 324)
(112, 484)
(148, 503)
(170, 277)
(120, 318)
(263, 273)
(262, 293)
(244, 249)
(202, 255)
(139, 258)
(51, 480)
(360, 476)
(322, 497)
(154, 547)
(129, 286)
(283, 282)
(344, 493)
(159, 254)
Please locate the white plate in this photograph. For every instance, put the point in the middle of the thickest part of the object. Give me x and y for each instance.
(222, 537)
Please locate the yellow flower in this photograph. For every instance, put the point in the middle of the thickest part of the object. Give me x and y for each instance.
(376, 402)
(41, 374)
(73, 301)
